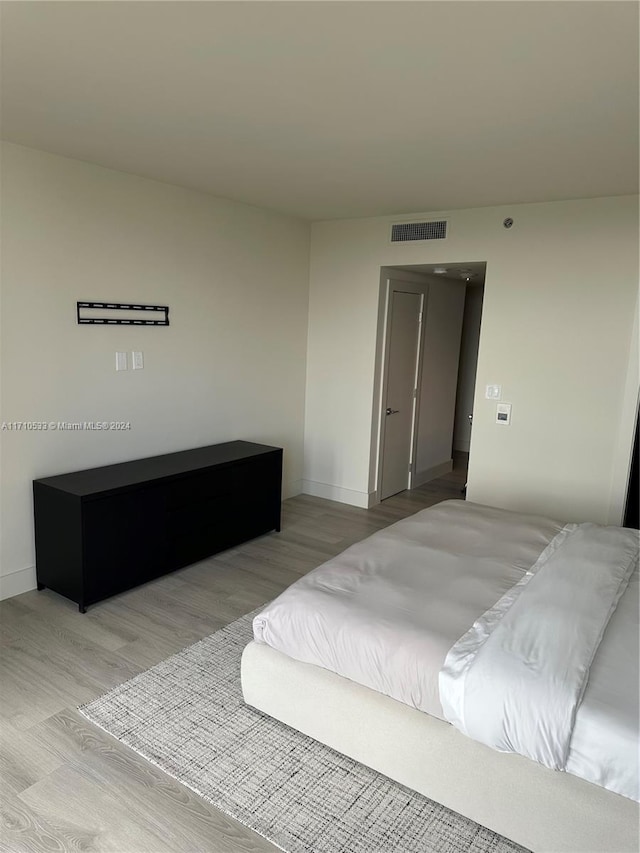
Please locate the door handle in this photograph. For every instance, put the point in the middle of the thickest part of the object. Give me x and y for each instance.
(392, 411)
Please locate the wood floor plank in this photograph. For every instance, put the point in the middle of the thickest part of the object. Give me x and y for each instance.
(52, 665)
(47, 605)
(23, 830)
(169, 809)
(23, 759)
(33, 688)
(146, 652)
(14, 613)
(69, 787)
(74, 798)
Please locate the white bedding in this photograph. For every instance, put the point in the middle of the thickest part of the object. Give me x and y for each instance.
(516, 679)
(386, 612)
(604, 746)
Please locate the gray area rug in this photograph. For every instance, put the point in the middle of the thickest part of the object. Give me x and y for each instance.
(186, 715)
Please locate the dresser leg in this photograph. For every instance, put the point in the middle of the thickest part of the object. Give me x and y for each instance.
(40, 586)
(82, 608)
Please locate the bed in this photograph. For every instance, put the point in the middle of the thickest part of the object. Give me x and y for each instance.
(487, 659)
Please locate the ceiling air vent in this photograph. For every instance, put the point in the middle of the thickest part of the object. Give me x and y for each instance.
(404, 231)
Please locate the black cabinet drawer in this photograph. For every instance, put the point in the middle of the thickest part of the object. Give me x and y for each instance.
(190, 546)
(125, 541)
(206, 513)
(202, 486)
(257, 476)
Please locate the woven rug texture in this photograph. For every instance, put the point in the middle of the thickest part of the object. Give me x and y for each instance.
(186, 715)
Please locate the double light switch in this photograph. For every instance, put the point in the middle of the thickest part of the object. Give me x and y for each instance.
(137, 360)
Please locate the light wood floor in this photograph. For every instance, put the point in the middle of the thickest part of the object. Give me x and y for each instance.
(66, 786)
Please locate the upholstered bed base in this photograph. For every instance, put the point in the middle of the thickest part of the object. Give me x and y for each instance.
(545, 811)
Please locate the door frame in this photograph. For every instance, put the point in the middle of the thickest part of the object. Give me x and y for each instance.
(415, 283)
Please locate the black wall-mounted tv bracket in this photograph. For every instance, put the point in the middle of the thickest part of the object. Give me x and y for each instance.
(161, 317)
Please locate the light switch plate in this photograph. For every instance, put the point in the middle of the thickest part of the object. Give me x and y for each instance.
(503, 413)
(137, 360)
(493, 392)
(121, 361)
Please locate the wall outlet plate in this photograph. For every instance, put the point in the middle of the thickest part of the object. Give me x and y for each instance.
(137, 360)
(493, 392)
(121, 361)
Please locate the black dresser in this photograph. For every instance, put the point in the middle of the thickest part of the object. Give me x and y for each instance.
(104, 530)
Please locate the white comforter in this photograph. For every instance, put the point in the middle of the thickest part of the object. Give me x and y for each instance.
(386, 612)
(515, 680)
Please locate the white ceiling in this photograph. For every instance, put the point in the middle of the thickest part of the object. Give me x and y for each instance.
(334, 109)
(472, 271)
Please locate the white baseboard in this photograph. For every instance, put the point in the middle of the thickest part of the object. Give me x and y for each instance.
(15, 583)
(338, 493)
(291, 489)
(422, 477)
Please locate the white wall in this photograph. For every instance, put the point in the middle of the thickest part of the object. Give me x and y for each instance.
(468, 367)
(437, 393)
(557, 323)
(231, 364)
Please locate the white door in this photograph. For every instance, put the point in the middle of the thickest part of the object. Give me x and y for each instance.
(401, 370)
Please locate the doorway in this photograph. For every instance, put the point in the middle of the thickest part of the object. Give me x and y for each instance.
(467, 368)
(428, 334)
